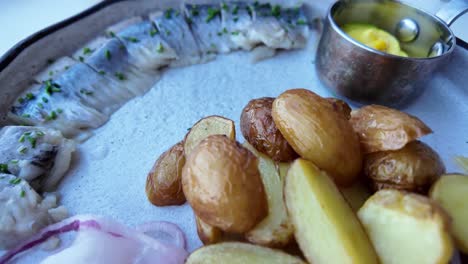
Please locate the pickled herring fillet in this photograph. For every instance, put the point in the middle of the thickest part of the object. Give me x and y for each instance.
(236, 19)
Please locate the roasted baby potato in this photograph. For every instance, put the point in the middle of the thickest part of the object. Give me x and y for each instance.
(208, 234)
(340, 106)
(356, 194)
(326, 228)
(222, 183)
(240, 253)
(260, 131)
(413, 168)
(407, 228)
(381, 128)
(211, 125)
(319, 133)
(275, 230)
(163, 184)
(451, 192)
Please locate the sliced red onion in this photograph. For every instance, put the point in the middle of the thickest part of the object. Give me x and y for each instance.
(175, 251)
(163, 231)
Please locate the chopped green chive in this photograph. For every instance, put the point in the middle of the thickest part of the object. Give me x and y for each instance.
(40, 105)
(29, 96)
(15, 181)
(26, 115)
(67, 67)
(235, 19)
(132, 39)
(219, 33)
(81, 58)
(168, 32)
(33, 141)
(59, 110)
(212, 13)
(168, 13)
(86, 92)
(160, 48)
(122, 47)
(153, 32)
(4, 168)
(301, 22)
(21, 100)
(120, 76)
(235, 10)
(195, 11)
(22, 138)
(177, 13)
(87, 51)
(102, 72)
(40, 133)
(112, 34)
(51, 116)
(108, 55)
(213, 46)
(23, 150)
(51, 73)
(225, 31)
(224, 7)
(45, 100)
(22, 193)
(276, 10)
(235, 33)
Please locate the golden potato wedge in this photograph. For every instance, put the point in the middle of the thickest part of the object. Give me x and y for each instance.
(240, 253)
(275, 230)
(407, 228)
(356, 194)
(163, 184)
(413, 168)
(210, 125)
(326, 228)
(381, 128)
(259, 129)
(340, 106)
(222, 183)
(319, 133)
(451, 192)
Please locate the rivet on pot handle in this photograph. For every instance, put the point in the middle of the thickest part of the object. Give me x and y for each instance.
(452, 11)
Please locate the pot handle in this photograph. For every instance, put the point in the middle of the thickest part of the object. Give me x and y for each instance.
(452, 11)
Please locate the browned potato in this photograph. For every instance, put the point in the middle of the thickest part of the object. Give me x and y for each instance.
(319, 133)
(381, 128)
(407, 228)
(340, 106)
(275, 230)
(223, 185)
(326, 228)
(163, 184)
(211, 125)
(413, 168)
(260, 131)
(451, 192)
(208, 234)
(240, 253)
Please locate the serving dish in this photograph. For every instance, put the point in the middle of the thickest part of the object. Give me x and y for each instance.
(109, 170)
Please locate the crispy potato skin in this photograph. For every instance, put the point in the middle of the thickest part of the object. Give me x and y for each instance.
(340, 106)
(163, 184)
(320, 133)
(208, 234)
(223, 185)
(407, 228)
(259, 129)
(413, 168)
(381, 128)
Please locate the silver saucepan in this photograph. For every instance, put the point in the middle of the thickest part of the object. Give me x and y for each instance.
(365, 75)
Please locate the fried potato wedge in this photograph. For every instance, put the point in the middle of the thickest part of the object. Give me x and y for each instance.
(208, 234)
(222, 183)
(356, 194)
(451, 192)
(340, 106)
(413, 168)
(381, 128)
(320, 133)
(210, 125)
(163, 184)
(326, 228)
(407, 228)
(259, 129)
(275, 230)
(240, 253)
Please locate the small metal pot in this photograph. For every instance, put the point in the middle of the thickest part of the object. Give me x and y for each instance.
(365, 75)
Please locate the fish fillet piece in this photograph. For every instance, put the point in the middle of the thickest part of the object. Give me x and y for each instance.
(237, 20)
(206, 26)
(296, 25)
(23, 212)
(147, 50)
(175, 31)
(49, 105)
(123, 80)
(54, 69)
(38, 155)
(266, 27)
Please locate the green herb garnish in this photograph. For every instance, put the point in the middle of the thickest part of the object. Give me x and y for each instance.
(59, 110)
(33, 141)
(132, 39)
(108, 55)
(168, 32)
(160, 48)
(51, 73)
(81, 58)
(276, 10)
(301, 22)
(235, 10)
(67, 67)
(224, 7)
(21, 100)
(4, 168)
(29, 96)
(212, 13)
(195, 11)
(112, 34)
(235, 19)
(45, 100)
(87, 51)
(168, 13)
(15, 181)
(40, 105)
(153, 32)
(235, 33)
(22, 193)
(51, 116)
(86, 92)
(23, 150)
(26, 115)
(120, 76)
(14, 161)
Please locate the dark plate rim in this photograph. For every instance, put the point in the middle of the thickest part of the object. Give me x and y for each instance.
(17, 49)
